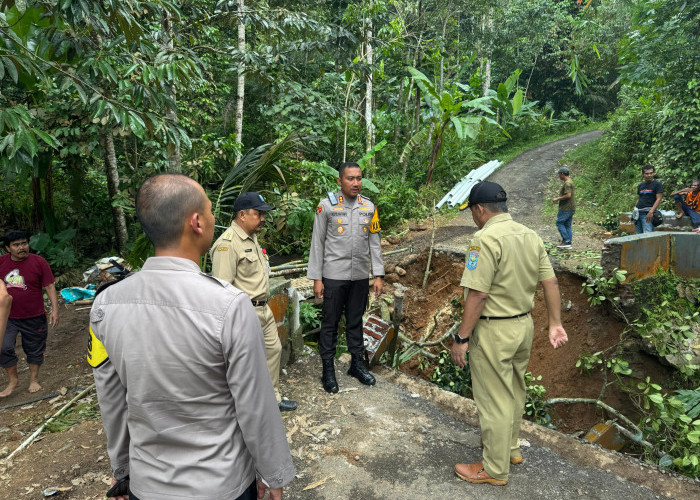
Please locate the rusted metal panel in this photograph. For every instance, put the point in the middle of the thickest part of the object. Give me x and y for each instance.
(642, 255)
(686, 255)
(605, 435)
(278, 304)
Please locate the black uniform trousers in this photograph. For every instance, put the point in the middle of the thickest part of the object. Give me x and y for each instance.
(251, 493)
(338, 296)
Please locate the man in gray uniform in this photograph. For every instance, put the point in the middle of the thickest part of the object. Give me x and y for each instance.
(346, 237)
(187, 404)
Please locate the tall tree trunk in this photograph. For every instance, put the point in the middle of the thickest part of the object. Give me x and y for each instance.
(442, 52)
(369, 128)
(399, 103)
(37, 219)
(113, 188)
(345, 109)
(487, 30)
(241, 77)
(172, 148)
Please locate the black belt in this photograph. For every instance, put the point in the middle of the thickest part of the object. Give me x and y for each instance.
(505, 317)
(259, 303)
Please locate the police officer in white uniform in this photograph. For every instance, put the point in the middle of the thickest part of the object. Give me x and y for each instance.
(346, 240)
(179, 363)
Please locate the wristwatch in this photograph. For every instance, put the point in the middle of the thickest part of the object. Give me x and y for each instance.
(460, 340)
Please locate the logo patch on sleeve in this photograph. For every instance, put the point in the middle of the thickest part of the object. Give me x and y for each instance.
(97, 354)
(472, 258)
(319, 210)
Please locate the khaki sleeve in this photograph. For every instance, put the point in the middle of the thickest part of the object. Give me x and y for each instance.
(480, 267)
(224, 261)
(318, 242)
(545, 270)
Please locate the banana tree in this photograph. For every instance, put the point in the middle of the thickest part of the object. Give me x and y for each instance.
(446, 111)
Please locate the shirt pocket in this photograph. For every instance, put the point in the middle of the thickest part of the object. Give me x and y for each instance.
(340, 224)
(248, 264)
(364, 221)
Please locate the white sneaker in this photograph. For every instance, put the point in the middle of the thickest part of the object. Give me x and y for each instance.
(565, 246)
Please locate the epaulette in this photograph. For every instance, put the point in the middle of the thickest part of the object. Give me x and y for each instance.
(228, 234)
(332, 198)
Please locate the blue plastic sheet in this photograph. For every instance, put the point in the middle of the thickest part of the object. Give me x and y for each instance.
(77, 293)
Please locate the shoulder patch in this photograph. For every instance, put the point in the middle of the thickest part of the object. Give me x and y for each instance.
(97, 354)
(374, 224)
(472, 258)
(319, 209)
(222, 249)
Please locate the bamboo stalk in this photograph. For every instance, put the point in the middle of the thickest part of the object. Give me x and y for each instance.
(36, 433)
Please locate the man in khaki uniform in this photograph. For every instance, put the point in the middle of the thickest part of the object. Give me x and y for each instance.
(505, 260)
(237, 258)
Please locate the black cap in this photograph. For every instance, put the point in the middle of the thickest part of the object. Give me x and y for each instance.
(246, 201)
(486, 192)
(563, 170)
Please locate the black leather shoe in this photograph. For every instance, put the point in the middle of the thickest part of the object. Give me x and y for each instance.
(330, 384)
(287, 405)
(360, 372)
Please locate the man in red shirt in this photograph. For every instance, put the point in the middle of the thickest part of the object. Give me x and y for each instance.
(25, 275)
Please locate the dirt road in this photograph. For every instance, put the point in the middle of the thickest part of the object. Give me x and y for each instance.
(526, 179)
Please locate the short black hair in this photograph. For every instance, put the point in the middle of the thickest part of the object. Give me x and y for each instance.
(162, 204)
(648, 166)
(495, 207)
(14, 235)
(347, 164)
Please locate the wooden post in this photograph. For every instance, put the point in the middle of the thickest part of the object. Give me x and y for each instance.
(399, 292)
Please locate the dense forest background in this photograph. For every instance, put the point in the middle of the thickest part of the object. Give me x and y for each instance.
(271, 95)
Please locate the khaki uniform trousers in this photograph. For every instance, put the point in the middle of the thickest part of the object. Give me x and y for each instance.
(498, 356)
(273, 346)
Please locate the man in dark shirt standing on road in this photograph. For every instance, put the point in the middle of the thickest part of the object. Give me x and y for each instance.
(650, 193)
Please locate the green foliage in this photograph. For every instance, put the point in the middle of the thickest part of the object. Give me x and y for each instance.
(451, 378)
(72, 416)
(536, 409)
(600, 288)
(587, 362)
(58, 250)
(397, 202)
(668, 424)
(611, 222)
(309, 316)
(670, 319)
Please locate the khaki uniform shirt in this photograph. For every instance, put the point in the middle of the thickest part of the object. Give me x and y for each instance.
(238, 259)
(342, 245)
(186, 398)
(506, 260)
